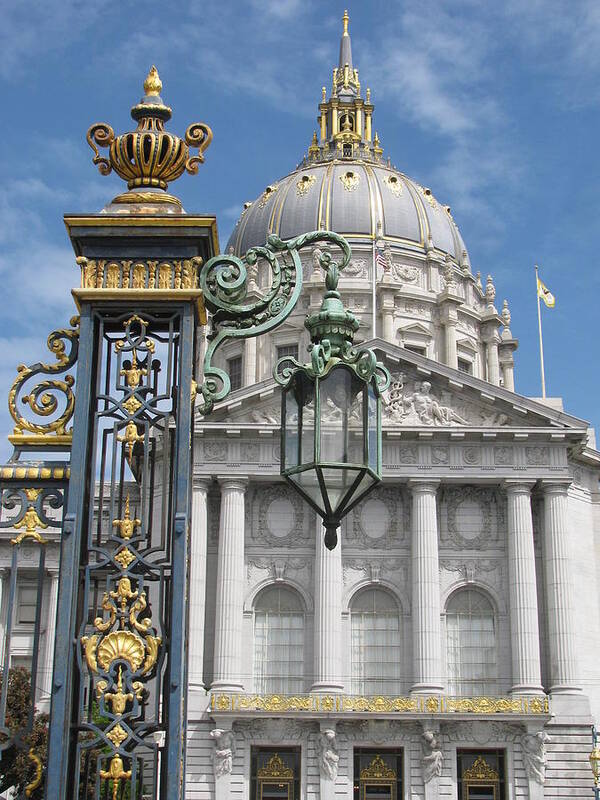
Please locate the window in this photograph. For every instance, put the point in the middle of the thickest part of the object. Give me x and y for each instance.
(480, 774)
(377, 774)
(275, 773)
(416, 348)
(278, 641)
(26, 604)
(471, 644)
(287, 350)
(375, 627)
(21, 661)
(234, 370)
(465, 366)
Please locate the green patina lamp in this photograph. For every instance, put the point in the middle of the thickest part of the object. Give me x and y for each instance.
(331, 414)
(331, 407)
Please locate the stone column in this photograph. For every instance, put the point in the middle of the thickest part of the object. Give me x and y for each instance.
(198, 542)
(559, 591)
(48, 662)
(427, 672)
(249, 377)
(493, 364)
(526, 674)
(449, 303)
(328, 615)
(230, 588)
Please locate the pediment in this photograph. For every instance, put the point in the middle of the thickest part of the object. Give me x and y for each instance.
(415, 327)
(424, 394)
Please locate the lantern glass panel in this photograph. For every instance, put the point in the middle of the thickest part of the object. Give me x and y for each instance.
(373, 435)
(338, 482)
(308, 484)
(341, 404)
(299, 415)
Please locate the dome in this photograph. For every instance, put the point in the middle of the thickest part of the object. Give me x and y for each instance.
(357, 198)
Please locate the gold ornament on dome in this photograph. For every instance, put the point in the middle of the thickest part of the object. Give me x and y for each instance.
(149, 158)
(394, 184)
(267, 195)
(350, 180)
(480, 771)
(303, 184)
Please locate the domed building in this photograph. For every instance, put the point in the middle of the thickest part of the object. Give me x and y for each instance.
(433, 653)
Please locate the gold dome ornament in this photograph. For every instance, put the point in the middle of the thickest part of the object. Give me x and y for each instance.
(149, 158)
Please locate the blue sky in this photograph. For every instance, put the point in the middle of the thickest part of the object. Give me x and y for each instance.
(494, 105)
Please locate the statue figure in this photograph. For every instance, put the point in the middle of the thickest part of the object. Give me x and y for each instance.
(328, 757)
(432, 759)
(422, 406)
(534, 755)
(224, 742)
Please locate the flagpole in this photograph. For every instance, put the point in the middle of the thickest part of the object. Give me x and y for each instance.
(537, 292)
(374, 292)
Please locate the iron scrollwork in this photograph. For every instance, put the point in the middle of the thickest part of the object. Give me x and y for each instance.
(50, 397)
(224, 282)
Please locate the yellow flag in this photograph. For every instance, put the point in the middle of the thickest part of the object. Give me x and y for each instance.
(545, 294)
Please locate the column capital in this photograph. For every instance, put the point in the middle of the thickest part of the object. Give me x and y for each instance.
(518, 486)
(556, 485)
(423, 486)
(239, 482)
(201, 481)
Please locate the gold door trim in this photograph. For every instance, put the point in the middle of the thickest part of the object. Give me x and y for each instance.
(275, 773)
(379, 775)
(481, 776)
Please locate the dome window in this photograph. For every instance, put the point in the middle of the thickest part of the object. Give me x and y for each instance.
(347, 151)
(394, 184)
(266, 195)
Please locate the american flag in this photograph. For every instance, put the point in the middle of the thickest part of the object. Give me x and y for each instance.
(380, 261)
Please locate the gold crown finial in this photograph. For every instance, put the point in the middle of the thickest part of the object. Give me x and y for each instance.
(345, 20)
(153, 83)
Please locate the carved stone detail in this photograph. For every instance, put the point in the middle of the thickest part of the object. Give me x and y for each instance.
(262, 531)
(274, 731)
(375, 569)
(480, 732)
(379, 731)
(533, 746)
(416, 405)
(357, 268)
(504, 455)
(215, 451)
(536, 456)
(395, 502)
(475, 570)
(491, 505)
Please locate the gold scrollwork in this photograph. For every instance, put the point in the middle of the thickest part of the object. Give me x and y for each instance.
(42, 399)
(39, 772)
(275, 768)
(267, 195)
(30, 521)
(119, 699)
(134, 373)
(480, 771)
(130, 438)
(377, 770)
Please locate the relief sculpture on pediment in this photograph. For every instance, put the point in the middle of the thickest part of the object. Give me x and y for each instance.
(416, 405)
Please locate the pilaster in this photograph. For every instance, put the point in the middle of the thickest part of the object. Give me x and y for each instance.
(328, 615)
(559, 600)
(230, 583)
(198, 543)
(48, 662)
(525, 639)
(427, 669)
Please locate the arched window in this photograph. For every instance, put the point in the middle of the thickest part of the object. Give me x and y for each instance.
(375, 624)
(278, 641)
(471, 644)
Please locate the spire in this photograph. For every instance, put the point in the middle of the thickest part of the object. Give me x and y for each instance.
(345, 45)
